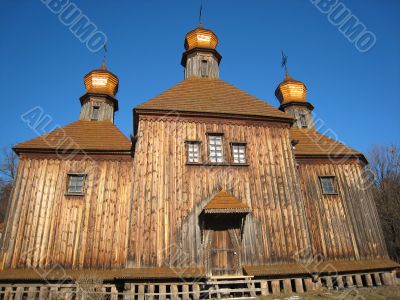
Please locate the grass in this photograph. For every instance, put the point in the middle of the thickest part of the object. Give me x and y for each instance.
(380, 293)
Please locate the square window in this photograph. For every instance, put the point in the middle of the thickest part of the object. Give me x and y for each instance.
(193, 152)
(95, 113)
(303, 121)
(328, 184)
(75, 183)
(239, 153)
(215, 148)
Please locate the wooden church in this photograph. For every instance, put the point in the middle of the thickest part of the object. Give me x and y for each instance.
(218, 194)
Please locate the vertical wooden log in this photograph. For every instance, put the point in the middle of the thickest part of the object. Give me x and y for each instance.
(19, 293)
(264, 288)
(53, 293)
(299, 285)
(349, 281)
(368, 278)
(309, 284)
(8, 293)
(32, 293)
(287, 286)
(174, 292)
(340, 283)
(114, 293)
(196, 291)
(317, 285)
(150, 291)
(43, 293)
(329, 283)
(275, 287)
(387, 278)
(377, 279)
(129, 291)
(394, 276)
(163, 290)
(141, 292)
(185, 290)
(359, 281)
(251, 287)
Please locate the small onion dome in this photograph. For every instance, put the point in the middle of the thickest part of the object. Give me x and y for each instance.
(290, 90)
(101, 81)
(201, 38)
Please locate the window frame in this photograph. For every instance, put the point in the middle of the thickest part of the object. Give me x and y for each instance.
(97, 108)
(239, 144)
(75, 174)
(303, 117)
(204, 67)
(188, 143)
(212, 134)
(334, 186)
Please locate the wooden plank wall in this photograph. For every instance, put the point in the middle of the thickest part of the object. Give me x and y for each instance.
(46, 227)
(169, 194)
(346, 225)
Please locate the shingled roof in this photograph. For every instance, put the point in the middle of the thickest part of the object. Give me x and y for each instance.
(313, 143)
(82, 135)
(225, 203)
(203, 95)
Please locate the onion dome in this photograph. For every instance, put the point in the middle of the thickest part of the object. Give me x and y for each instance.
(101, 81)
(290, 90)
(201, 38)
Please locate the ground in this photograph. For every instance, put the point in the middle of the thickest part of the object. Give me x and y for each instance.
(389, 293)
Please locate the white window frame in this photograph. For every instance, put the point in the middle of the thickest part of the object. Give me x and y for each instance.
(216, 148)
(193, 152)
(239, 153)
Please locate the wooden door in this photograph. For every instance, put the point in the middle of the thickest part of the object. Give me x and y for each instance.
(224, 255)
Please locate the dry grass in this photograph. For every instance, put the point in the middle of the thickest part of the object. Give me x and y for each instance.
(381, 293)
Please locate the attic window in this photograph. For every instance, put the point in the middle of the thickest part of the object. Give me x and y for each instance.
(75, 183)
(95, 113)
(328, 185)
(204, 68)
(303, 121)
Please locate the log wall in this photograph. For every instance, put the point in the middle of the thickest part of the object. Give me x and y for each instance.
(46, 227)
(345, 225)
(169, 195)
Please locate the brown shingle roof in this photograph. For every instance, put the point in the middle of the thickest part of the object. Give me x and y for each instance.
(134, 273)
(83, 135)
(225, 203)
(321, 267)
(203, 95)
(311, 142)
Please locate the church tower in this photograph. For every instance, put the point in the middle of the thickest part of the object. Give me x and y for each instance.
(201, 59)
(292, 95)
(99, 102)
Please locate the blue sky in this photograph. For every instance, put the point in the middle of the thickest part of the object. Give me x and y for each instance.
(356, 94)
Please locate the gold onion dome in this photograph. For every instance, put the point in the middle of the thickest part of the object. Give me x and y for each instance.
(101, 81)
(290, 90)
(201, 38)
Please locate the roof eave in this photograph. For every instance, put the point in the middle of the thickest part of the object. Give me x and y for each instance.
(138, 110)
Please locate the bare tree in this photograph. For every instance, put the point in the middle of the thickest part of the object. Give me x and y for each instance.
(385, 164)
(8, 172)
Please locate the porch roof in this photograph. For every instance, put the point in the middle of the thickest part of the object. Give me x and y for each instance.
(226, 203)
